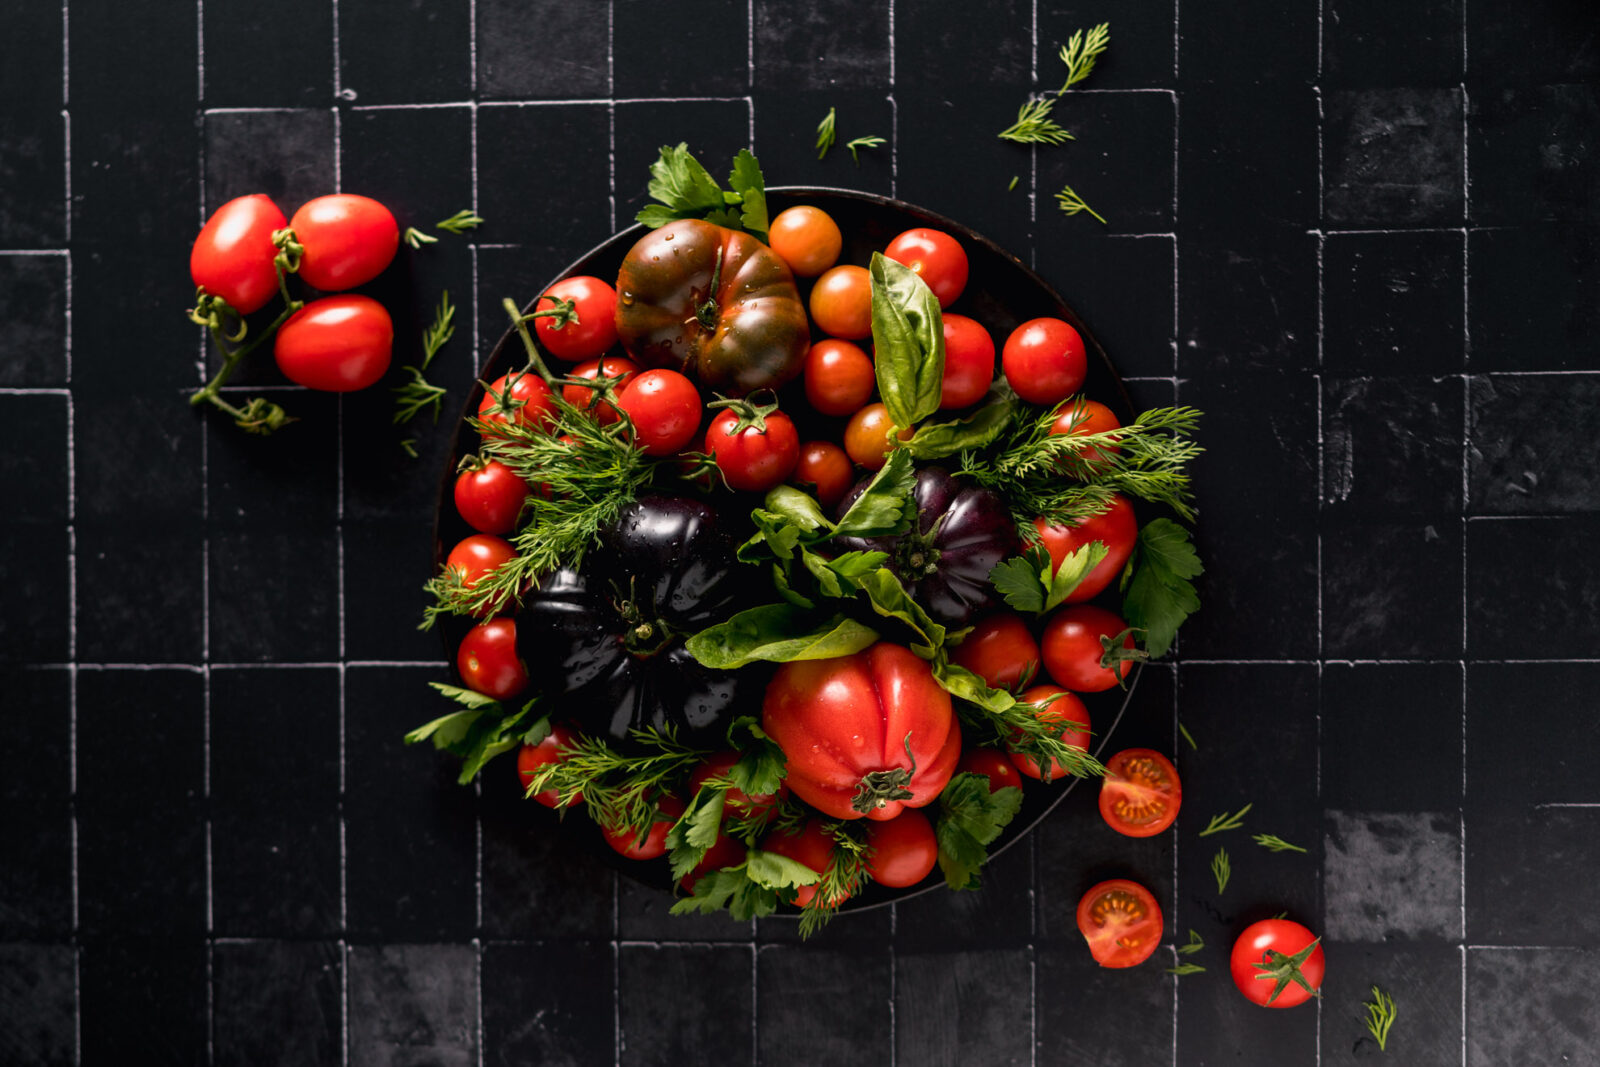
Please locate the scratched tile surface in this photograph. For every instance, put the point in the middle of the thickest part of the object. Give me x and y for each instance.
(1363, 236)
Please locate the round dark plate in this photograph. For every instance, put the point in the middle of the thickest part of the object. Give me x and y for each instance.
(1002, 292)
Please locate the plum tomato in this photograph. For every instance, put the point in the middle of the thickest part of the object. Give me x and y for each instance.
(866, 436)
(839, 377)
(1121, 921)
(665, 408)
(232, 257)
(1074, 655)
(735, 801)
(1116, 528)
(488, 662)
(968, 362)
(806, 238)
(336, 344)
(756, 458)
(992, 764)
(1141, 793)
(347, 239)
(489, 495)
(520, 398)
(811, 846)
(1055, 705)
(937, 257)
(555, 748)
(1000, 650)
(593, 330)
(841, 302)
(1044, 361)
(1082, 417)
(1271, 959)
(824, 468)
(594, 401)
(902, 851)
(654, 844)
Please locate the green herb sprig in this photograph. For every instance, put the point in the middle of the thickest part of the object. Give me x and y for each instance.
(1225, 821)
(1274, 843)
(1221, 870)
(1381, 1014)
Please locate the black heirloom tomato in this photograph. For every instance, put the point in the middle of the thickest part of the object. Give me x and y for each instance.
(606, 644)
(713, 303)
(961, 532)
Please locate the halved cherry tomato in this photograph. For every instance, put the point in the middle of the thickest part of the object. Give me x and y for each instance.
(903, 849)
(1121, 921)
(1000, 650)
(489, 495)
(1140, 794)
(654, 843)
(347, 239)
(592, 332)
(841, 302)
(1076, 657)
(824, 467)
(1263, 954)
(937, 257)
(555, 748)
(1045, 361)
(594, 401)
(806, 238)
(232, 257)
(337, 344)
(520, 398)
(968, 362)
(1055, 705)
(665, 408)
(993, 764)
(866, 436)
(488, 662)
(1116, 527)
(839, 376)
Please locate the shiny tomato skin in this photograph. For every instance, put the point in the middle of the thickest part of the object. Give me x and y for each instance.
(1277, 935)
(968, 362)
(753, 460)
(595, 329)
(553, 749)
(825, 469)
(1058, 705)
(937, 257)
(1141, 792)
(490, 497)
(811, 845)
(839, 377)
(992, 764)
(665, 408)
(1121, 921)
(519, 398)
(232, 257)
(592, 400)
(841, 302)
(904, 850)
(477, 555)
(806, 238)
(735, 801)
(1082, 416)
(654, 844)
(1116, 527)
(866, 436)
(1045, 361)
(348, 240)
(336, 344)
(488, 662)
(1000, 650)
(1072, 648)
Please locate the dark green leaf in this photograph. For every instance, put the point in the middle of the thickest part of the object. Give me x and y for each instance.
(797, 507)
(969, 819)
(775, 532)
(936, 440)
(447, 730)
(760, 770)
(1075, 567)
(695, 831)
(678, 181)
(886, 506)
(1159, 595)
(1017, 581)
(777, 633)
(907, 342)
(656, 216)
(890, 599)
(731, 890)
(747, 182)
(467, 698)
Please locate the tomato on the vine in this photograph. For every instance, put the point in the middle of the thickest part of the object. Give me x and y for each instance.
(1075, 655)
(1044, 361)
(336, 344)
(489, 495)
(839, 376)
(811, 846)
(665, 408)
(488, 662)
(937, 257)
(992, 764)
(824, 467)
(902, 851)
(1141, 793)
(555, 748)
(1000, 650)
(968, 362)
(1116, 528)
(841, 302)
(347, 240)
(654, 843)
(755, 458)
(233, 256)
(519, 398)
(1277, 963)
(593, 330)
(593, 399)
(806, 238)
(1121, 921)
(866, 436)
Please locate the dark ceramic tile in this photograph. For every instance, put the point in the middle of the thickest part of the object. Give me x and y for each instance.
(35, 34)
(847, 930)
(1127, 178)
(1392, 876)
(1374, 44)
(573, 172)
(1121, 287)
(1517, 852)
(274, 595)
(277, 1001)
(940, 127)
(1391, 590)
(1393, 157)
(935, 48)
(1508, 607)
(1000, 913)
(133, 336)
(38, 998)
(138, 457)
(573, 1025)
(275, 802)
(1534, 293)
(1144, 42)
(1422, 978)
(378, 152)
(288, 479)
(655, 1028)
(35, 570)
(33, 146)
(786, 137)
(103, 35)
(300, 166)
(1088, 1013)
(567, 57)
(1541, 42)
(35, 791)
(1246, 304)
(139, 590)
(1410, 706)
(413, 1004)
(386, 563)
(405, 54)
(1391, 447)
(814, 1005)
(1552, 710)
(141, 837)
(1257, 42)
(409, 823)
(647, 48)
(1394, 303)
(1503, 1021)
(1533, 159)
(33, 304)
(33, 438)
(834, 44)
(963, 1007)
(713, 129)
(148, 995)
(268, 57)
(1520, 457)
(135, 192)
(644, 914)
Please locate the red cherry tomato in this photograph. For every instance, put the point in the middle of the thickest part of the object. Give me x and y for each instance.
(336, 344)
(1082, 417)
(753, 459)
(232, 257)
(593, 400)
(665, 408)
(824, 468)
(992, 764)
(968, 362)
(489, 496)
(520, 398)
(1044, 361)
(811, 846)
(1116, 528)
(1000, 650)
(807, 239)
(1056, 705)
(735, 801)
(488, 661)
(475, 556)
(937, 257)
(724, 852)
(903, 850)
(1141, 793)
(866, 436)
(654, 843)
(841, 302)
(348, 240)
(556, 747)
(1121, 921)
(839, 377)
(1264, 951)
(1073, 653)
(592, 332)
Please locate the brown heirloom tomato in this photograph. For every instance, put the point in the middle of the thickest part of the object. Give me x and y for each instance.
(713, 303)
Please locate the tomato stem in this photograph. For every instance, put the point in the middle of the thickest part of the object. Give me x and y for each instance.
(535, 361)
(751, 412)
(878, 788)
(258, 416)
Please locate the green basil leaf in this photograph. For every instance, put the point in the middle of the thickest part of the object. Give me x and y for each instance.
(777, 633)
(886, 506)
(907, 342)
(798, 507)
(890, 599)
(936, 440)
(960, 682)
(780, 582)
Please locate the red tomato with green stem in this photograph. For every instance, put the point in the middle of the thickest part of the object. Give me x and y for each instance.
(937, 257)
(755, 446)
(611, 374)
(233, 256)
(488, 662)
(519, 398)
(1088, 649)
(335, 344)
(811, 846)
(664, 407)
(653, 845)
(1121, 921)
(841, 302)
(1141, 793)
(839, 377)
(489, 495)
(1277, 963)
(1045, 361)
(589, 330)
(992, 764)
(555, 748)
(1116, 527)
(1000, 650)
(345, 240)
(824, 468)
(1055, 705)
(806, 238)
(902, 851)
(968, 362)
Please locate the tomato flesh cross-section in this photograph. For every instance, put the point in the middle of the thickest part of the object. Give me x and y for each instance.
(1141, 793)
(1121, 921)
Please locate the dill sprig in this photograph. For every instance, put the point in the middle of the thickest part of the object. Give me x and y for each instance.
(1071, 204)
(1020, 729)
(419, 394)
(1380, 1016)
(1274, 843)
(1186, 968)
(1080, 52)
(460, 222)
(621, 792)
(1225, 821)
(1034, 124)
(1196, 943)
(868, 141)
(440, 330)
(1221, 869)
(825, 133)
(844, 878)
